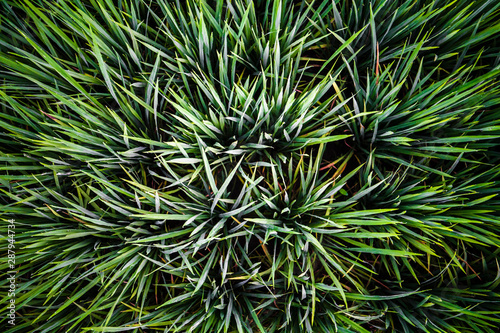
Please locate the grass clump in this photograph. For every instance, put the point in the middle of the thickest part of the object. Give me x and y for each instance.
(251, 166)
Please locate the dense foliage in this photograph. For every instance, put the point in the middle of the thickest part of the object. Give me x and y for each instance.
(251, 166)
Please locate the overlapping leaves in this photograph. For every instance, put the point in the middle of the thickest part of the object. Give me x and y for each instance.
(245, 166)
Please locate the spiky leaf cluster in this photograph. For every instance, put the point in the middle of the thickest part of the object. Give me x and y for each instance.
(251, 166)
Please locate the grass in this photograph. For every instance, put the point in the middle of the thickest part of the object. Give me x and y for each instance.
(251, 166)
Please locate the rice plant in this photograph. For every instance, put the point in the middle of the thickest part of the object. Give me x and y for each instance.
(250, 166)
